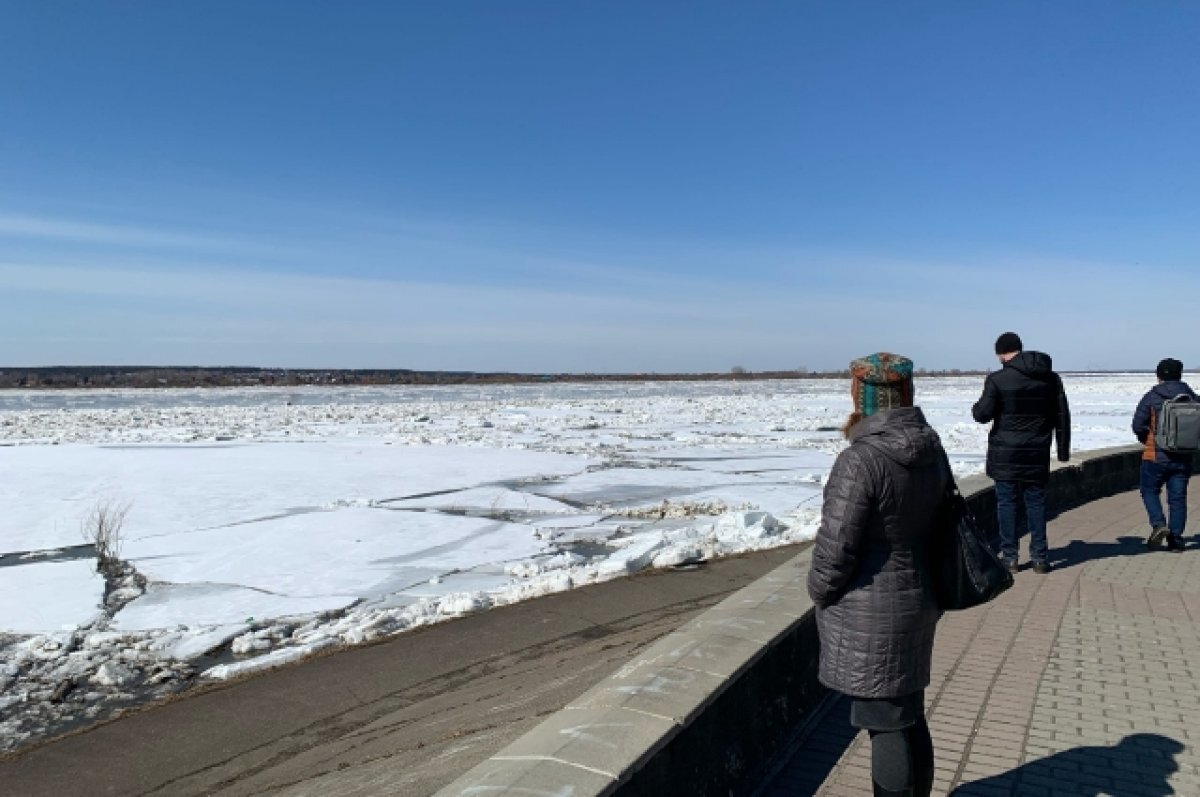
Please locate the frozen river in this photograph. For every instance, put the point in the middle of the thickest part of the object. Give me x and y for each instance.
(265, 524)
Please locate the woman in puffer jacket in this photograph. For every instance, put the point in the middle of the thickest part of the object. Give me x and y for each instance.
(870, 578)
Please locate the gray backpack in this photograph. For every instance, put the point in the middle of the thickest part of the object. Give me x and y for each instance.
(1177, 429)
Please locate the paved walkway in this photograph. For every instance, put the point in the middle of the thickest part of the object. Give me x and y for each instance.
(1080, 683)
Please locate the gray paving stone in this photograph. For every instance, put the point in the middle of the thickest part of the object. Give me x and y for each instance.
(533, 778)
(673, 693)
(605, 740)
(758, 624)
(1108, 656)
(716, 654)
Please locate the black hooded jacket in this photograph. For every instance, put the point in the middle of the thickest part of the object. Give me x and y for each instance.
(1027, 406)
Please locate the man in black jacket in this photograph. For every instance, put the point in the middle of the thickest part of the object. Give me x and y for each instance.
(1159, 467)
(1027, 406)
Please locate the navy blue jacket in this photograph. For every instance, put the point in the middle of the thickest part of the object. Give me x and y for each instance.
(1028, 409)
(1146, 417)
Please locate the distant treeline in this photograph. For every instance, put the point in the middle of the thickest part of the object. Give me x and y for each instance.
(90, 376)
(195, 376)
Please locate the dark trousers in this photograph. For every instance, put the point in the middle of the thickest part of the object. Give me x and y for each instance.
(901, 746)
(1035, 518)
(1174, 476)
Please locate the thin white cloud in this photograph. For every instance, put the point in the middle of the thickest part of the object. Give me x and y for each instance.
(357, 298)
(79, 232)
(60, 229)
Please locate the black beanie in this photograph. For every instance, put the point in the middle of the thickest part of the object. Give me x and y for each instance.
(1008, 343)
(1169, 370)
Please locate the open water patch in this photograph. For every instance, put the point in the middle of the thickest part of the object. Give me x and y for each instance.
(69, 553)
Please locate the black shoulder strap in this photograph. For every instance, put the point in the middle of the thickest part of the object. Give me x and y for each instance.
(951, 484)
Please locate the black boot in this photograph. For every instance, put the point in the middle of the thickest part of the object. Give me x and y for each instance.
(882, 792)
(920, 743)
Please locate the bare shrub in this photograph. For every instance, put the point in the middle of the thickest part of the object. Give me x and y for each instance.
(102, 527)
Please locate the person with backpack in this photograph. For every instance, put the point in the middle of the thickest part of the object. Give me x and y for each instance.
(1167, 422)
(1027, 407)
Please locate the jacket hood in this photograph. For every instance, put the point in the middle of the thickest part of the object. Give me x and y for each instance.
(1169, 390)
(901, 435)
(1031, 363)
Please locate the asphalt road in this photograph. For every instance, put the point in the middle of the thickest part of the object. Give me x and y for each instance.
(403, 717)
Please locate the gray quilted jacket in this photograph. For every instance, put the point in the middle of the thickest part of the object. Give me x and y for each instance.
(876, 612)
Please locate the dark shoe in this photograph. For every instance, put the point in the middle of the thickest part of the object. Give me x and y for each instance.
(1042, 568)
(1159, 534)
(1174, 544)
(879, 791)
(1011, 564)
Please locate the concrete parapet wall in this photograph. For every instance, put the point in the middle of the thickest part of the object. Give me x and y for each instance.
(704, 709)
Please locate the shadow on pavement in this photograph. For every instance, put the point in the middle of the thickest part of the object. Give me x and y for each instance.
(1137, 766)
(1078, 552)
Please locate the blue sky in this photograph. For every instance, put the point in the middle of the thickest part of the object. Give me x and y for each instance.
(588, 186)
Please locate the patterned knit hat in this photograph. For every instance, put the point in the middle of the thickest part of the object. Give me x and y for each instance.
(881, 381)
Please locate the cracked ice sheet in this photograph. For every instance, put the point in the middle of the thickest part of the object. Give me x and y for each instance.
(750, 461)
(778, 499)
(616, 485)
(486, 499)
(49, 596)
(635, 488)
(177, 489)
(309, 563)
(172, 605)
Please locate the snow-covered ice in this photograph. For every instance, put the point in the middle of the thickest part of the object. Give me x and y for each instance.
(176, 489)
(266, 524)
(48, 596)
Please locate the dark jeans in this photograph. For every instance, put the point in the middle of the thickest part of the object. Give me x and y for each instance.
(1035, 518)
(1175, 476)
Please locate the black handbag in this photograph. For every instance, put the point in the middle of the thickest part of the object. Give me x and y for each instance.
(966, 572)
